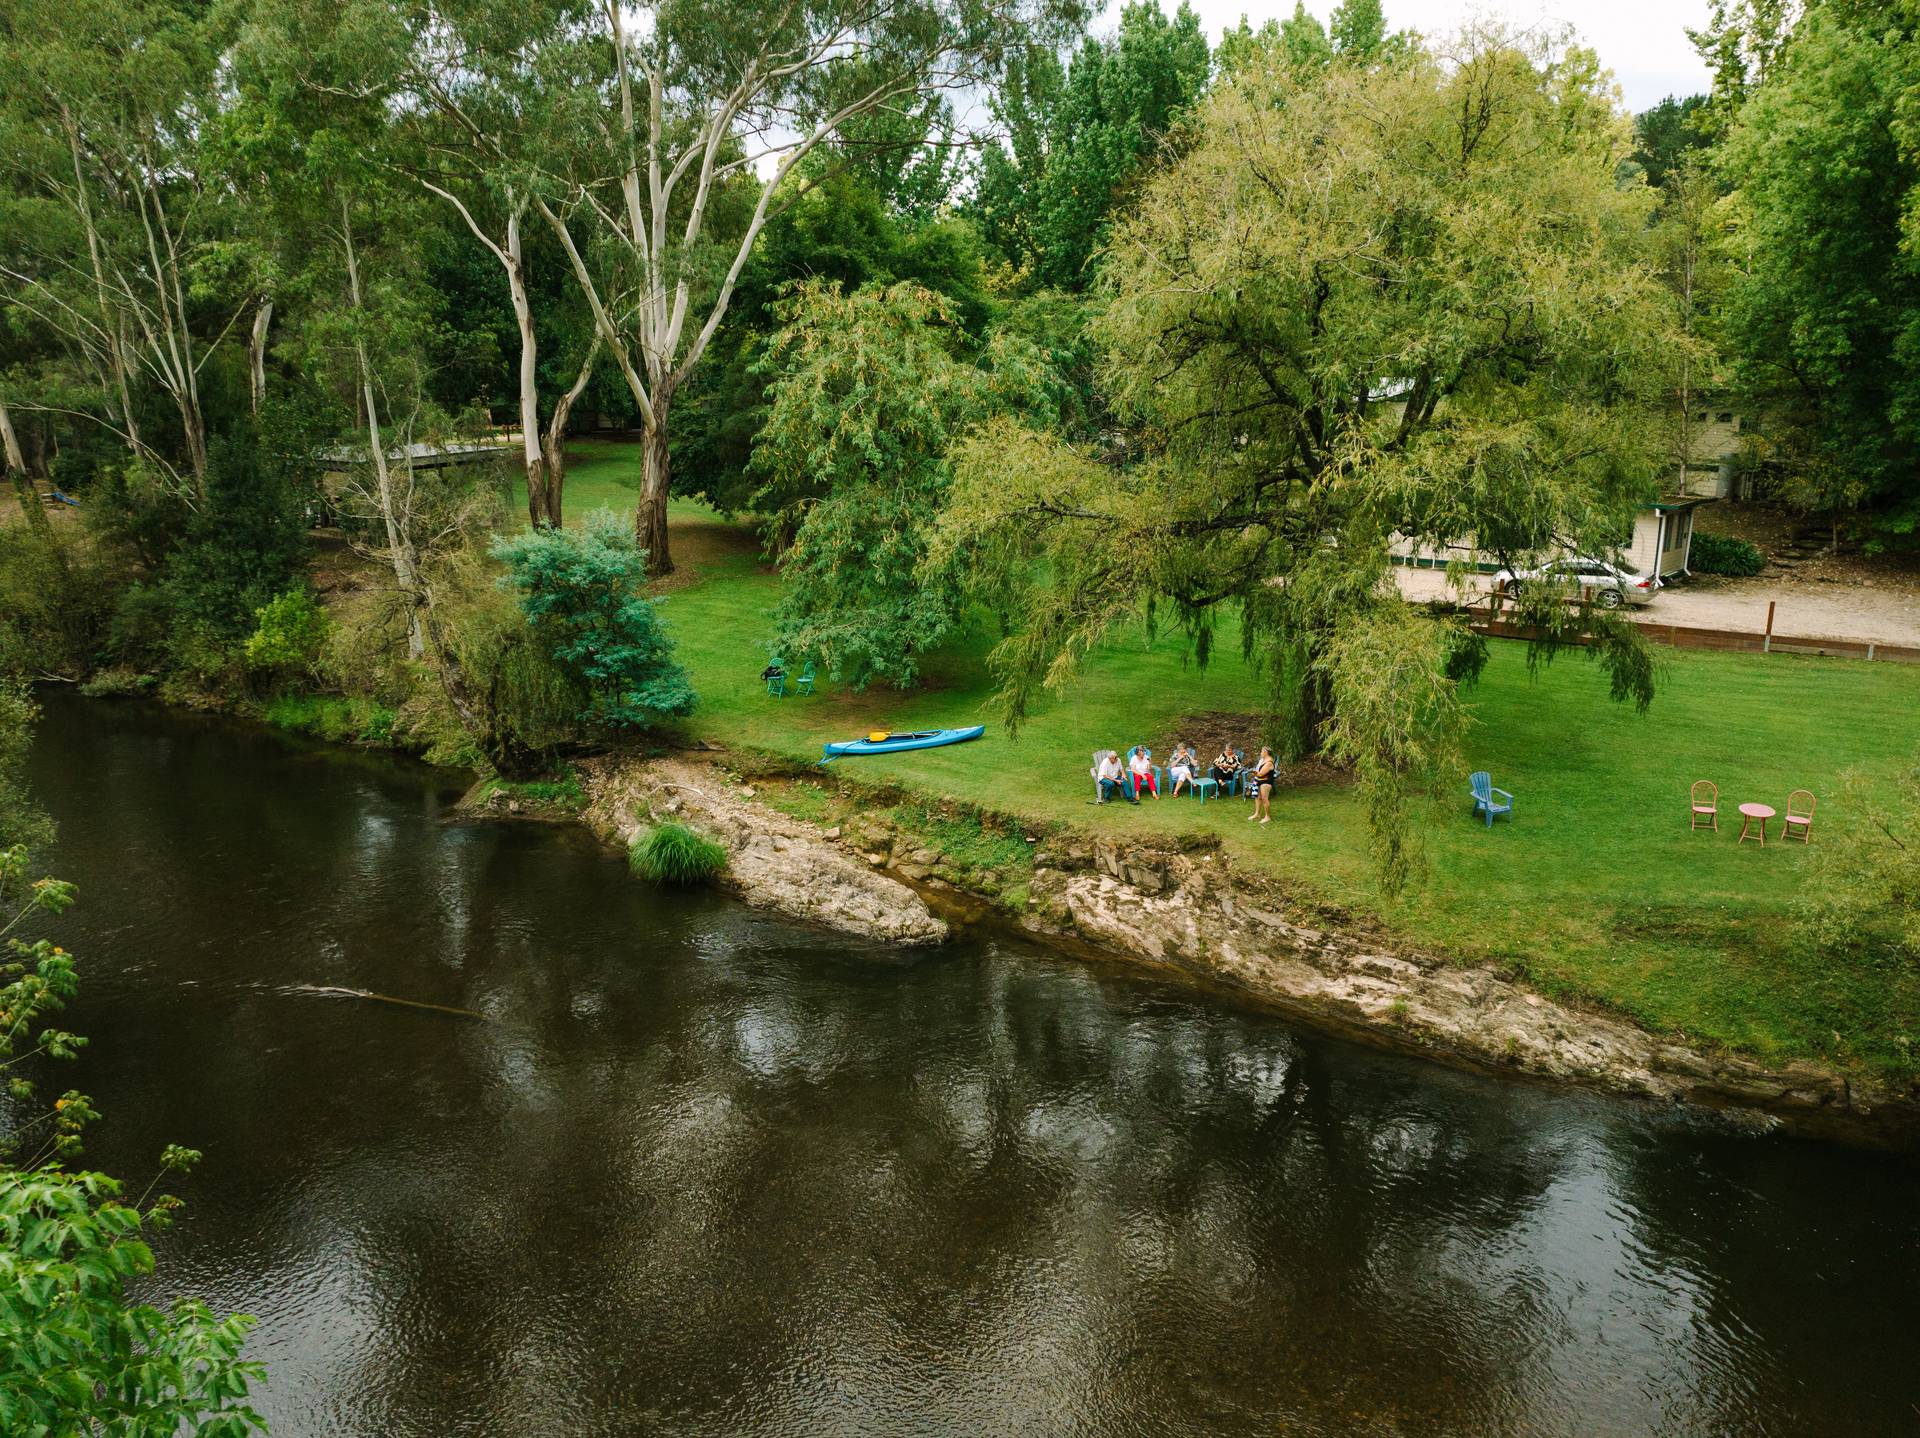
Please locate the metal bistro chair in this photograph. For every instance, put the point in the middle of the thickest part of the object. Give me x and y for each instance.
(1796, 815)
(777, 686)
(804, 684)
(1704, 801)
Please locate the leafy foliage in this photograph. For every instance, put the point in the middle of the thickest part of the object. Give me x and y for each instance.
(291, 634)
(1723, 554)
(1440, 325)
(1823, 314)
(22, 822)
(672, 853)
(579, 588)
(1081, 140)
(1863, 903)
(868, 395)
(1667, 135)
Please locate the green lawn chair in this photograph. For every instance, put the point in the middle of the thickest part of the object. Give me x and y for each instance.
(804, 684)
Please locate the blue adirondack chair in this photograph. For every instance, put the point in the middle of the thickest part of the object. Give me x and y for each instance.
(1484, 801)
(804, 684)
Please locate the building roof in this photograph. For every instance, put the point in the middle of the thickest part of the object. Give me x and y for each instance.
(1682, 501)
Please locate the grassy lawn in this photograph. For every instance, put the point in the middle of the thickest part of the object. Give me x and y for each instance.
(1597, 889)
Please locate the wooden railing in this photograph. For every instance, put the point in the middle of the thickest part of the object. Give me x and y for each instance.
(1484, 617)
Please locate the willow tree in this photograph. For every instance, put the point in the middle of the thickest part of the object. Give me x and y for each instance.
(1405, 298)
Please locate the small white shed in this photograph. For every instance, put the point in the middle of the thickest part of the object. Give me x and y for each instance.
(1663, 537)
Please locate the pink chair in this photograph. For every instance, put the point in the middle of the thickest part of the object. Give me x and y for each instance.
(1797, 814)
(1706, 806)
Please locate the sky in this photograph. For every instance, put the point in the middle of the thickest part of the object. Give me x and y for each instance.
(1644, 42)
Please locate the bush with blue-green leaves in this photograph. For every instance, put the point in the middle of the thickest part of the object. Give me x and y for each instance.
(580, 590)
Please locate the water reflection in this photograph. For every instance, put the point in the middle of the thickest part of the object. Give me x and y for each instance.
(702, 1172)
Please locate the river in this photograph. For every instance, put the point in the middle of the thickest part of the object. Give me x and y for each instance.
(701, 1171)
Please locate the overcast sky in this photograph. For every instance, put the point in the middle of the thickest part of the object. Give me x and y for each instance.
(1644, 42)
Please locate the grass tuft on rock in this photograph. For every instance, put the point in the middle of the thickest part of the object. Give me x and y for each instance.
(674, 854)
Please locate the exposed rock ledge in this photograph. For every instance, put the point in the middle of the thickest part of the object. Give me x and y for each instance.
(1172, 911)
(773, 861)
(1175, 912)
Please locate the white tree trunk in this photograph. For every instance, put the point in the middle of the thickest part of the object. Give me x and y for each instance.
(31, 509)
(541, 509)
(257, 353)
(394, 517)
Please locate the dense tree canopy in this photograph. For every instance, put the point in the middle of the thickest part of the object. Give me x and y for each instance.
(870, 392)
(1080, 139)
(1408, 299)
(1823, 310)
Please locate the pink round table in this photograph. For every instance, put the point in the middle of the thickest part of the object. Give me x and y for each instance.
(1751, 812)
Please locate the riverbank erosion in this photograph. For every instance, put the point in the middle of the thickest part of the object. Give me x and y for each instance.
(1190, 912)
(774, 861)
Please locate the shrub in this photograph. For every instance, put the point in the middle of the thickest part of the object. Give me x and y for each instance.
(118, 684)
(338, 721)
(674, 854)
(579, 589)
(1723, 554)
(57, 596)
(291, 634)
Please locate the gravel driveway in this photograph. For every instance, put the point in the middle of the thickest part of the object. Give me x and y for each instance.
(1803, 610)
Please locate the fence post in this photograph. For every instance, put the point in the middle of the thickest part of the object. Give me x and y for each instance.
(1766, 644)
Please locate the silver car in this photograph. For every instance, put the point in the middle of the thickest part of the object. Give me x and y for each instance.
(1607, 585)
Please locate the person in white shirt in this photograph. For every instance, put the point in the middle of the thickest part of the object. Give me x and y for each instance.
(1142, 765)
(1111, 778)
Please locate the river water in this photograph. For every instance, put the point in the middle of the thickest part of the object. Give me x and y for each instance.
(700, 1171)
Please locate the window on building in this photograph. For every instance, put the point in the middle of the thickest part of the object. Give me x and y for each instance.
(1726, 416)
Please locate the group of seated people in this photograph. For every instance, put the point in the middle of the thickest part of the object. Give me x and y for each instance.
(1115, 779)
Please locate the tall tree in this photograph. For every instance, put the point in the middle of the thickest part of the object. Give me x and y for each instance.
(1668, 134)
(108, 210)
(1402, 299)
(1742, 42)
(667, 112)
(1822, 314)
(1118, 100)
(1358, 29)
(869, 392)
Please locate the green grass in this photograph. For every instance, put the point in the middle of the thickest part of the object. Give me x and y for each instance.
(562, 795)
(602, 474)
(1597, 890)
(672, 853)
(329, 717)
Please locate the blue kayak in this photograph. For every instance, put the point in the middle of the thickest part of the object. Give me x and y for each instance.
(894, 743)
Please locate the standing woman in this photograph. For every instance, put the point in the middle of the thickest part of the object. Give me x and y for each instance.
(1264, 774)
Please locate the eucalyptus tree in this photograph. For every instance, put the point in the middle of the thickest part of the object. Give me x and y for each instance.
(1406, 298)
(107, 218)
(663, 137)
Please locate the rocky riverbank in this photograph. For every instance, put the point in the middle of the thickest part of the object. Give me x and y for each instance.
(1185, 912)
